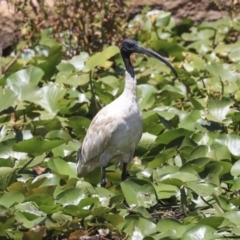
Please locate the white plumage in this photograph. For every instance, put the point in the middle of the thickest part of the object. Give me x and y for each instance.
(117, 128)
(114, 131)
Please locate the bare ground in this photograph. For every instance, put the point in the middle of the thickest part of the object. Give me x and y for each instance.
(197, 10)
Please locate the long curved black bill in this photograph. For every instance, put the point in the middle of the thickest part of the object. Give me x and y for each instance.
(151, 53)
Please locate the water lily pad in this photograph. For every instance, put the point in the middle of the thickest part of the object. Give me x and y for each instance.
(235, 171)
(172, 227)
(199, 232)
(29, 146)
(10, 198)
(139, 193)
(71, 196)
(203, 189)
(8, 98)
(138, 227)
(7, 176)
(99, 58)
(232, 141)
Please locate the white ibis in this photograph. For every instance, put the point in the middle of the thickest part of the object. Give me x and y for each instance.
(117, 128)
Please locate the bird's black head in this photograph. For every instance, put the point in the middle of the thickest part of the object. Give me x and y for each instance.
(130, 46)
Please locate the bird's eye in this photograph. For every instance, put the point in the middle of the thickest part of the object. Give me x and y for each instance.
(130, 45)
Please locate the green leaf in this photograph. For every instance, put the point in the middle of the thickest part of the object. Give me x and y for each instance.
(234, 55)
(218, 70)
(8, 98)
(178, 178)
(138, 192)
(171, 227)
(165, 191)
(31, 163)
(225, 204)
(65, 149)
(202, 189)
(8, 224)
(104, 194)
(25, 84)
(146, 96)
(10, 198)
(171, 135)
(167, 113)
(236, 231)
(100, 58)
(235, 170)
(48, 125)
(114, 219)
(166, 170)
(62, 167)
(66, 67)
(53, 59)
(174, 92)
(110, 81)
(147, 140)
(196, 165)
(50, 179)
(197, 103)
(219, 152)
(212, 221)
(58, 221)
(29, 207)
(27, 220)
(75, 79)
(171, 48)
(59, 134)
(163, 19)
(78, 61)
(218, 109)
(41, 190)
(232, 141)
(235, 184)
(51, 98)
(37, 146)
(79, 124)
(71, 196)
(18, 187)
(189, 120)
(214, 169)
(233, 216)
(199, 151)
(7, 176)
(26, 76)
(200, 232)
(138, 227)
(162, 157)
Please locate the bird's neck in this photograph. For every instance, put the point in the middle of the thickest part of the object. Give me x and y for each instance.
(130, 86)
(130, 80)
(128, 64)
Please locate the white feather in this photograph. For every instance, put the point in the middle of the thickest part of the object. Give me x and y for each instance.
(114, 132)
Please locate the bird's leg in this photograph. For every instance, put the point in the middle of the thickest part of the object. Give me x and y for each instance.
(103, 179)
(124, 171)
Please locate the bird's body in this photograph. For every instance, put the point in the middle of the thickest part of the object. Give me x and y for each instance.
(114, 132)
(117, 128)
